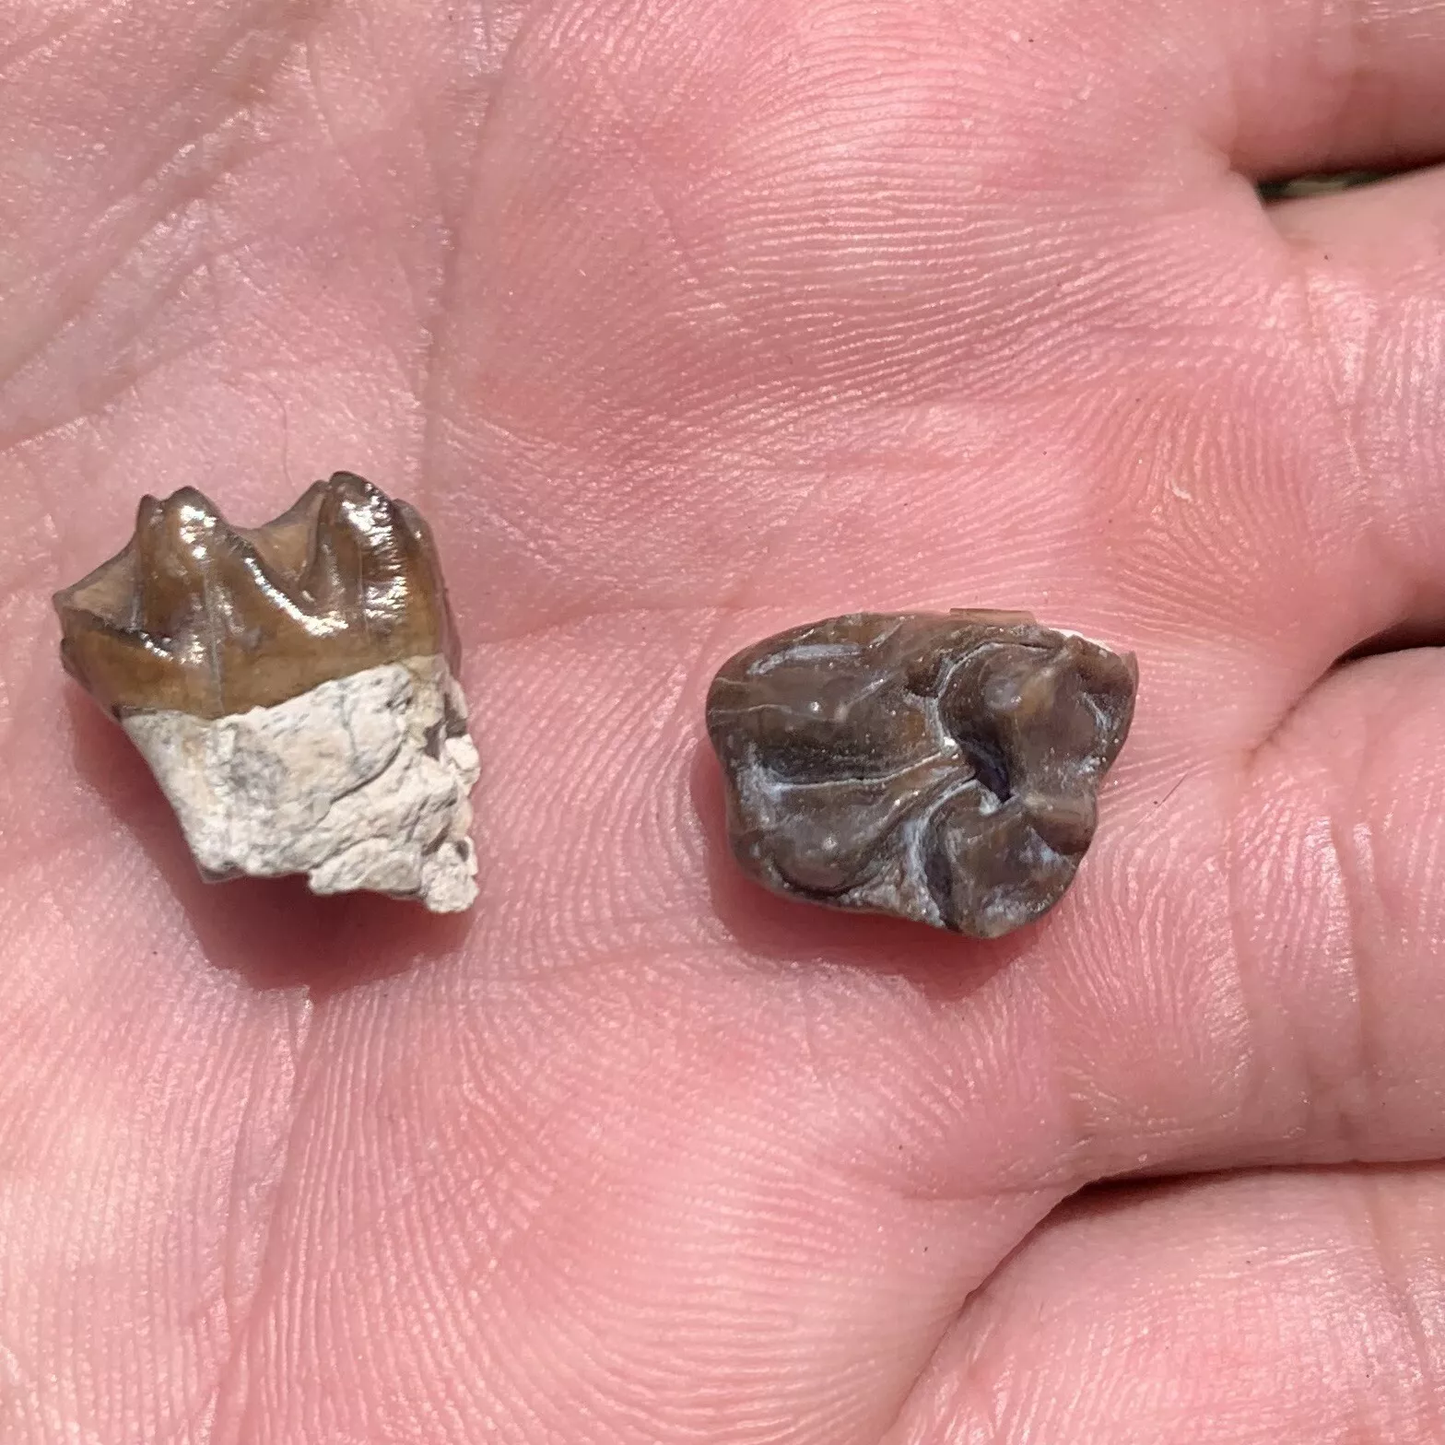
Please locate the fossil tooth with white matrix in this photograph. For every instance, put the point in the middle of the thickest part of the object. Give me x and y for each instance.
(293, 687)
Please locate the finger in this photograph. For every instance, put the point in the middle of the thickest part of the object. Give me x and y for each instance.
(1359, 290)
(1339, 851)
(1388, 231)
(1370, 274)
(1323, 86)
(1250, 1309)
(1283, 1000)
(1249, 971)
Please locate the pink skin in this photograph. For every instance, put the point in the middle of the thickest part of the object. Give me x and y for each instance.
(684, 321)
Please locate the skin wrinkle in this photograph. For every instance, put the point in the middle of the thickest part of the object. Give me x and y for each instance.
(196, 198)
(654, 196)
(1333, 370)
(64, 23)
(234, 1387)
(339, 150)
(1236, 911)
(1305, 1057)
(196, 142)
(99, 408)
(403, 359)
(1239, 875)
(1370, 492)
(435, 327)
(582, 620)
(1361, 496)
(1395, 1275)
(1361, 905)
(65, 321)
(1354, 871)
(1366, 1060)
(204, 1409)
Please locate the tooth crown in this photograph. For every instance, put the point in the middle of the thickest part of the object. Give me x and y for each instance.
(937, 767)
(201, 617)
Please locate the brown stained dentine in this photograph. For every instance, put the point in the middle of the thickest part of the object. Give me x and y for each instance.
(937, 767)
(204, 618)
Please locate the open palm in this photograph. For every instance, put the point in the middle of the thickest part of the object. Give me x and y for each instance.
(682, 322)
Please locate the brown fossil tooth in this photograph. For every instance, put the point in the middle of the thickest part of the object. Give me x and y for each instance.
(197, 615)
(937, 767)
(369, 547)
(292, 685)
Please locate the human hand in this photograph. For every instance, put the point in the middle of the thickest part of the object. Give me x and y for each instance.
(684, 322)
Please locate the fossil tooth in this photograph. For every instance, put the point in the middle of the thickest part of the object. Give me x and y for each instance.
(293, 687)
(937, 767)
